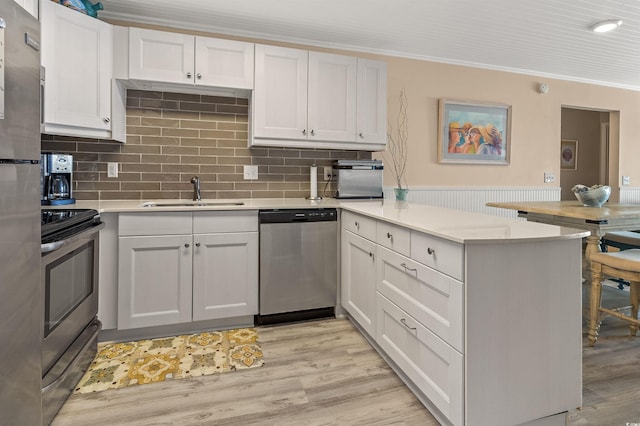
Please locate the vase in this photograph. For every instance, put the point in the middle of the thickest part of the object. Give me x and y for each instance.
(401, 193)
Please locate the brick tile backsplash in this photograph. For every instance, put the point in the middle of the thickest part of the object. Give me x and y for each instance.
(172, 137)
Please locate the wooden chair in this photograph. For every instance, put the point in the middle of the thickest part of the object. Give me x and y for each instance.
(623, 264)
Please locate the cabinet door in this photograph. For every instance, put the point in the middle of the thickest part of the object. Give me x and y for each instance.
(280, 95)
(358, 280)
(224, 63)
(30, 6)
(154, 281)
(161, 56)
(78, 59)
(225, 275)
(332, 97)
(372, 102)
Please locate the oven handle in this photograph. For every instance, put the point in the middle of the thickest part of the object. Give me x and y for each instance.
(55, 245)
(49, 247)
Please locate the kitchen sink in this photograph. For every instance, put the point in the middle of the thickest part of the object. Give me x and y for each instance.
(191, 203)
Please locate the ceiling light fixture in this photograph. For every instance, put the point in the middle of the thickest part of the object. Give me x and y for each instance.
(604, 26)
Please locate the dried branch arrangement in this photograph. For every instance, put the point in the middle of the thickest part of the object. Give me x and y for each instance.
(397, 142)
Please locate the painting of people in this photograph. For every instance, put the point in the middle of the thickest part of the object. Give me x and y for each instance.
(470, 132)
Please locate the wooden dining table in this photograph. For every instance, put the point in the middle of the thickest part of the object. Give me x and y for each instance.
(572, 214)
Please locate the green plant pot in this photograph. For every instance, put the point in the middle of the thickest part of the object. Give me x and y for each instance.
(401, 193)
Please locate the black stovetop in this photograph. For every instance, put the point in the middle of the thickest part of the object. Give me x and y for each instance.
(58, 224)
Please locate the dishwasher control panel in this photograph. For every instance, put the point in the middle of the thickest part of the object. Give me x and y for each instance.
(297, 215)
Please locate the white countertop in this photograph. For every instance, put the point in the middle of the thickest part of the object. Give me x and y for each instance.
(454, 225)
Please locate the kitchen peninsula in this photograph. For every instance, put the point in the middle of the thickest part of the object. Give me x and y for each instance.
(479, 315)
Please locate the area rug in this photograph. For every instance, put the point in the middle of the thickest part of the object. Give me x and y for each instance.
(118, 365)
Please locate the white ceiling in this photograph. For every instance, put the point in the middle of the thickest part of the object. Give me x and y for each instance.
(541, 37)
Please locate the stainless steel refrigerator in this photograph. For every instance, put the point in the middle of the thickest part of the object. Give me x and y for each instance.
(20, 300)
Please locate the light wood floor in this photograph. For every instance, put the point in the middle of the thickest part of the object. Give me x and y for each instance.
(325, 373)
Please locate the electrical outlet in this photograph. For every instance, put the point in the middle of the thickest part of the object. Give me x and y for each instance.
(250, 172)
(626, 180)
(549, 177)
(112, 170)
(328, 172)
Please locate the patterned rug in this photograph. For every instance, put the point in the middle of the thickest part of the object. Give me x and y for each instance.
(150, 361)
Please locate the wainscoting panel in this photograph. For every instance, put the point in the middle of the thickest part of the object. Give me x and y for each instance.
(629, 195)
(474, 199)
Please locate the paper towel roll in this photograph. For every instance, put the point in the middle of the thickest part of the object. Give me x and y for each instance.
(314, 182)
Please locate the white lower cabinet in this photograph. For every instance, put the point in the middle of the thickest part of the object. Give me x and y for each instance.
(154, 281)
(358, 280)
(432, 365)
(169, 276)
(485, 333)
(224, 279)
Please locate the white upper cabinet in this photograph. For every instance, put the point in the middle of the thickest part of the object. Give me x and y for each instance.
(186, 59)
(372, 102)
(313, 100)
(30, 6)
(280, 95)
(77, 54)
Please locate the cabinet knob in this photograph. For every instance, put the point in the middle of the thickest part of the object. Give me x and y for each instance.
(106, 120)
(199, 75)
(357, 225)
(197, 244)
(389, 235)
(430, 250)
(372, 256)
(187, 245)
(313, 132)
(304, 131)
(188, 75)
(361, 135)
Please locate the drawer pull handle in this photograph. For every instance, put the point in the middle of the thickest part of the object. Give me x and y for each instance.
(430, 250)
(404, 322)
(406, 268)
(389, 236)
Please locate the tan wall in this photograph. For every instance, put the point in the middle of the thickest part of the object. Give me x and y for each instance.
(536, 122)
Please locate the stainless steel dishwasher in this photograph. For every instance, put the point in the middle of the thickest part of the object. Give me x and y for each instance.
(298, 264)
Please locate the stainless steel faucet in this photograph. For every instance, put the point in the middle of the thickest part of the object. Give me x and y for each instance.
(196, 188)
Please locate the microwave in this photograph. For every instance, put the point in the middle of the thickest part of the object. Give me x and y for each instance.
(358, 179)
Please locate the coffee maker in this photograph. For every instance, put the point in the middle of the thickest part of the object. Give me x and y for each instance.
(56, 179)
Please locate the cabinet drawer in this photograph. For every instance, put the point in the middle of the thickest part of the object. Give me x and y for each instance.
(432, 298)
(154, 223)
(359, 225)
(394, 237)
(225, 221)
(432, 365)
(438, 253)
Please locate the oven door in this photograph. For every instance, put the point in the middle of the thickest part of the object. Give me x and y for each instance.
(70, 290)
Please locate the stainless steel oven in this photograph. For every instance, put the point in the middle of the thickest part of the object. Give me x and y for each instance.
(69, 269)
